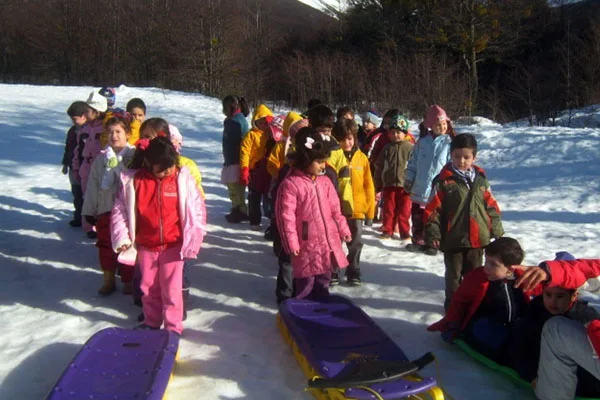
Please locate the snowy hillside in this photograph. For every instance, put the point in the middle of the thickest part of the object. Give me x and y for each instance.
(546, 180)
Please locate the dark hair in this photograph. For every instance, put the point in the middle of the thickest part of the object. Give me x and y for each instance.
(344, 128)
(304, 156)
(77, 109)
(232, 103)
(343, 111)
(507, 249)
(118, 120)
(464, 141)
(160, 151)
(320, 115)
(152, 126)
(314, 102)
(135, 103)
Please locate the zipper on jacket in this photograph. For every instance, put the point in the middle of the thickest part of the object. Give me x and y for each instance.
(160, 225)
(508, 299)
(322, 216)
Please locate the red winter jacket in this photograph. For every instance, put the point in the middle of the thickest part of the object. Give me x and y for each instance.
(471, 292)
(157, 210)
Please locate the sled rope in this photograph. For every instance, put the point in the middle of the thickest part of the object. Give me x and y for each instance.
(373, 392)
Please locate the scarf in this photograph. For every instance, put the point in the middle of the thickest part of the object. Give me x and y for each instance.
(114, 164)
(467, 176)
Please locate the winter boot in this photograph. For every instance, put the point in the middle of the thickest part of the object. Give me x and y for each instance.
(109, 285)
(430, 251)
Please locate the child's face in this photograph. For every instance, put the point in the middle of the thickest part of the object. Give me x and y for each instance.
(396, 135)
(117, 136)
(138, 114)
(317, 167)
(347, 143)
(462, 159)
(348, 116)
(495, 270)
(386, 122)
(160, 173)
(368, 126)
(91, 114)
(440, 128)
(79, 120)
(323, 130)
(557, 300)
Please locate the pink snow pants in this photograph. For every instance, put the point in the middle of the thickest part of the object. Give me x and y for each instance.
(162, 300)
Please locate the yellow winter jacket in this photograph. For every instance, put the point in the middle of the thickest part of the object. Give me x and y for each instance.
(253, 146)
(133, 125)
(337, 161)
(276, 159)
(363, 189)
(194, 170)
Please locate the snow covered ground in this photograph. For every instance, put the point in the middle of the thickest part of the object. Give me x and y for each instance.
(546, 180)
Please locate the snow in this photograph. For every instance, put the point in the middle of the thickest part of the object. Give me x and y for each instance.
(546, 181)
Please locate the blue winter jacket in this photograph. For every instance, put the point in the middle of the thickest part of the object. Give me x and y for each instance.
(234, 129)
(428, 157)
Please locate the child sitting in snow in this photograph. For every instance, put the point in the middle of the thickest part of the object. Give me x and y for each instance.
(138, 218)
(102, 187)
(525, 337)
(309, 219)
(462, 215)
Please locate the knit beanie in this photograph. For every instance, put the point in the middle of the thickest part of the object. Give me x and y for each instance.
(400, 123)
(97, 102)
(276, 125)
(435, 114)
(290, 119)
(296, 126)
(371, 116)
(176, 138)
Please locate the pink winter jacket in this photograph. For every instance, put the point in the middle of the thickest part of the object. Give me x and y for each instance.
(192, 213)
(91, 149)
(309, 219)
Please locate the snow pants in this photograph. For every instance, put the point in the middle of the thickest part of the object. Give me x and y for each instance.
(396, 210)
(458, 263)
(162, 300)
(236, 195)
(417, 212)
(106, 254)
(312, 287)
(564, 348)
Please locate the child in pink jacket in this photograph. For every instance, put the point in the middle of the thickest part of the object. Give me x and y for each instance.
(309, 218)
(159, 218)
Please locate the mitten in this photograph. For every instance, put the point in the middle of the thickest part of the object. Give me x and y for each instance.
(408, 186)
(245, 176)
(65, 169)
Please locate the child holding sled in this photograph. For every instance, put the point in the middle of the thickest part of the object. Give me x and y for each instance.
(103, 183)
(363, 193)
(431, 153)
(462, 215)
(309, 219)
(163, 233)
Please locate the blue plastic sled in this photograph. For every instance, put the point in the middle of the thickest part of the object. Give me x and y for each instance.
(346, 355)
(119, 364)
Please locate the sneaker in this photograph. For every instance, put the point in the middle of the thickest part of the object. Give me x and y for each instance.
(335, 280)
(430, 251)
(385, 236)
(92, 235)
(354, 282)
(76, 223)
(414, 247)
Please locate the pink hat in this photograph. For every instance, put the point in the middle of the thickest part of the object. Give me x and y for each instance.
(276, 124)
(435, 114)
(303, 123)
(176, 138)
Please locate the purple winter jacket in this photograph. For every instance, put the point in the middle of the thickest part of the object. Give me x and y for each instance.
(309, 219)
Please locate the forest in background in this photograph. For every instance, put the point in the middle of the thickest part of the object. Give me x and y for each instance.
(503, 59)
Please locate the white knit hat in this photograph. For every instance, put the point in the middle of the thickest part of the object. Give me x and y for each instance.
(97, 101)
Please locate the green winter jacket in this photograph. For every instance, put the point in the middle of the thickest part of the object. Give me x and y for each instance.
(391, 164)
(459, 217)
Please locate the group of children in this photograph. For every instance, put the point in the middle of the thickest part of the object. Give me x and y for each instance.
(139, 198)
(326, 176)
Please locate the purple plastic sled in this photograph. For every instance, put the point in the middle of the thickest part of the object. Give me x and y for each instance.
(336, 337)
(118, 364)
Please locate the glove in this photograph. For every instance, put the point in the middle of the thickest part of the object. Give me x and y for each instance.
(408, 186)
(368, 222)
(245, 176)
(65, 169)
(91, 220)
(448, 329)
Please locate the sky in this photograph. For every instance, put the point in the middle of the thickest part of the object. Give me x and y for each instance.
(545, 179)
